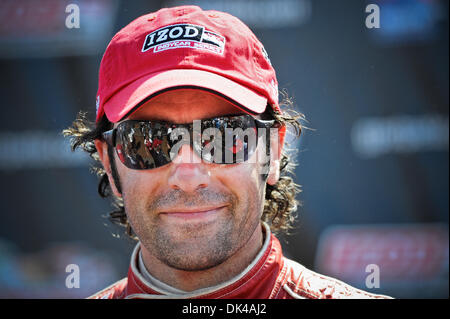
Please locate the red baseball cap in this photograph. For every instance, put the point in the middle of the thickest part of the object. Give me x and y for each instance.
(185, 47)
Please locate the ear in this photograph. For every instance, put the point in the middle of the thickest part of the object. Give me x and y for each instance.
(276, 147)
(102, 150)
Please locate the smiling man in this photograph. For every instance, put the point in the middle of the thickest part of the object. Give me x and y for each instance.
(190, 134)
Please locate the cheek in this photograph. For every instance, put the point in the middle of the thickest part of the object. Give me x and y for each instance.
(136, 188)
(245, 181)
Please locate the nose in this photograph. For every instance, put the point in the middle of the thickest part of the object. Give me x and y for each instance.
(188, 173)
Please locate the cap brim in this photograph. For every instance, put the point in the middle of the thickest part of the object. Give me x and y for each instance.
(129, 98)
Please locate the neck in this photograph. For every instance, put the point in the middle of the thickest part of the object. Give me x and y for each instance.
(193, 280)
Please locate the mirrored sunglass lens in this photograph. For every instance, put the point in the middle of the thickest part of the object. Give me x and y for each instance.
(229, 140)
(222, 140)
(141, 145)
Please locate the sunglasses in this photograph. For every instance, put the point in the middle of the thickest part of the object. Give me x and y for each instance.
(224, 140)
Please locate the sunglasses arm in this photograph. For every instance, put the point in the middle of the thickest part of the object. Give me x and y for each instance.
(265, 123)
(108, 136)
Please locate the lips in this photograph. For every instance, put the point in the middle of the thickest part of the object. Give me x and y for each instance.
(192, 213)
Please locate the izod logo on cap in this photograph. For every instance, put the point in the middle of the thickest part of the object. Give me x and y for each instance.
(184, 36)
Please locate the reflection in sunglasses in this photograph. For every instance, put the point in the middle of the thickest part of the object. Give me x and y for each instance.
(223, 140)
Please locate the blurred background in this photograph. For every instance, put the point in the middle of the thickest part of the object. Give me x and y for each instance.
(373, 169)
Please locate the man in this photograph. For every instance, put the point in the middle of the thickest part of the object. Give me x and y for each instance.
(201, 201)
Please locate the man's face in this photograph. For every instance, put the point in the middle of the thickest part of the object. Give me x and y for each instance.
(191, 216)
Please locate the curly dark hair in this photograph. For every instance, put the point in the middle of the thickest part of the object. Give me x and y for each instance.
(280, 207)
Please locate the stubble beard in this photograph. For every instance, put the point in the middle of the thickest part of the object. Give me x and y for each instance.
(192, 246)
(193, 250)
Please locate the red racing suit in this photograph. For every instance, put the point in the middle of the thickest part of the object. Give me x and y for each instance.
(269, 276)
